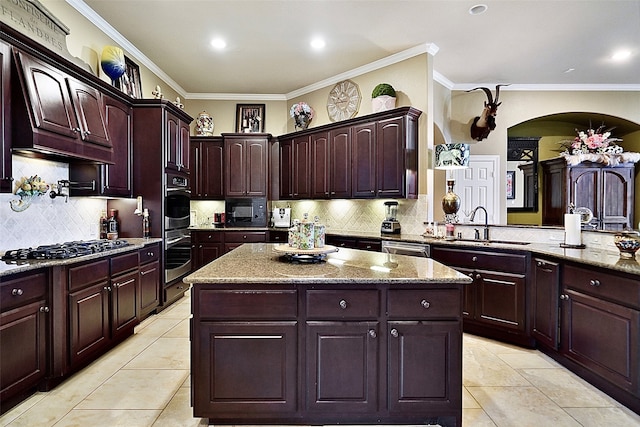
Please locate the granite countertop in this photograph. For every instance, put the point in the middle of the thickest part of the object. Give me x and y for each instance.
(260, 263)
(13, 267)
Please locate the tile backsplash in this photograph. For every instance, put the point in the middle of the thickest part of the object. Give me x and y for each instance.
(47, 220)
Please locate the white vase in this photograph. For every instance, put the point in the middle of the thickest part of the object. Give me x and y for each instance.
(204, 124)
(383, 103)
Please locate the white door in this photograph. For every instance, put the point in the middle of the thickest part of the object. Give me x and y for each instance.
(478, 185)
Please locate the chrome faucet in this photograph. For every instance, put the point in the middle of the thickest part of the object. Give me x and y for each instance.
(486, 220)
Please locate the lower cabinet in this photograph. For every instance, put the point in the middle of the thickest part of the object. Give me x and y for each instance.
(600, 328)
(366, 244)
(314, 354)
(495, 303)
(209, 245)
(24, 322)
(149, 290)
(544, 302)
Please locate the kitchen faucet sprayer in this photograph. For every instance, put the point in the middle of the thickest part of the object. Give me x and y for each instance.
(486, 220)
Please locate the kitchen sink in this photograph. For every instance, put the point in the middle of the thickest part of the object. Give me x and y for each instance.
(488, 242)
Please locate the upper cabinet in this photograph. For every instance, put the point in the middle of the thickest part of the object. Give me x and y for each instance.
(246, 161)
(608, 191)
(177, 149)
(90, 179)
(58, 113)
(375, 156)
(5, 117)
(207, 171)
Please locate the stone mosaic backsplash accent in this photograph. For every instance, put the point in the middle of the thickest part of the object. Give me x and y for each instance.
(47, 220)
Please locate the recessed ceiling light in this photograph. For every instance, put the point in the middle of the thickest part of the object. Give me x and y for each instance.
(569, 70)
(318, 43)
(478, 9)
(218, 43)
(621, 55)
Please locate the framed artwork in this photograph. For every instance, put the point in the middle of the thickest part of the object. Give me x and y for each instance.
(129, 83)
(511, 185)
(250, 118)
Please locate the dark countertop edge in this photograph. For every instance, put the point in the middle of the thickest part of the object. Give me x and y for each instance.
(136, 243)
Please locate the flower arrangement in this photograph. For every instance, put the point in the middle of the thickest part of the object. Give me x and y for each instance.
(32, 186)
(301, 109)
(592, 141)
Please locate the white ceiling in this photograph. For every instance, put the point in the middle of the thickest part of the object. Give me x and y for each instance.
(522, 42)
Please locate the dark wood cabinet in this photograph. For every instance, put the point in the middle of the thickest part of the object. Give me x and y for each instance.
(317, 354)
(278, 236)
(544, 302)
(177, 143)
(246, 160)
(58, 113)
(233, 239)
(601, 325)
(495, 304)
(124, 302)
(24, 322)
(207, 170)
(90, 179)
(607, 190)
(366, 244)
(206, 246)
(367, 157)
(6, 80)
(150, 271)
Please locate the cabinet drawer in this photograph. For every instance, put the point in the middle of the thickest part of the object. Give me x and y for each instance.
(207, 236)
(620, 289)
(483, 260)
(245, 237)
(85, 274)
(343, 304)
(149, 254)
(174, 291)
(424, 304)
(19, 290)
(122, 263)
(237, 304)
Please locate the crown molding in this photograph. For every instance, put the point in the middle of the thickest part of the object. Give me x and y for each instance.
(552, 87)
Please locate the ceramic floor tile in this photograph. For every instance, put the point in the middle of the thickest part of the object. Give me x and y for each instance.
(180, 310)
(472, 417)
(521, 407)
(525, 360)
(21, 408)
(468, 402)
(159, 326)
(178, 412)
(566, 389)
(181, 330)
(480, 367)
(109, 417)
(164, 353)
(598, 417)
(136, 389)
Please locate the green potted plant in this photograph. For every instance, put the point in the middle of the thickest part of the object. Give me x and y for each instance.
(383, 98)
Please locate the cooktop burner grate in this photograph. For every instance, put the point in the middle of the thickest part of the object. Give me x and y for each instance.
(65, 250)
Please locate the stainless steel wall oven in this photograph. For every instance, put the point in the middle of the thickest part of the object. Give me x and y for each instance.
(177, 237)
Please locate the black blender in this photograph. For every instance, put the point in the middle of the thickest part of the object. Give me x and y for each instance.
(390, 225)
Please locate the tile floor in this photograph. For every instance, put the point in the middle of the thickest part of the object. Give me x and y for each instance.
(145, 382)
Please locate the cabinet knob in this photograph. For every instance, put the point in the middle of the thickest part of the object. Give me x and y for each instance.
(474, 259)
(540, 263)
(343, 304)
(425, 304)
(44, 309)
(108, 288)
(478, 276)
(244, 237)
(394, 333)
(149, 253)
(17, 292)
(564, 297)
(471, 275)
(372, 333)
(594, 282)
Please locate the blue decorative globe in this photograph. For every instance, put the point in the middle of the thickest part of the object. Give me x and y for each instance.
(112, 62)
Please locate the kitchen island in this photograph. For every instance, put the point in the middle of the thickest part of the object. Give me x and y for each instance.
(359, 337)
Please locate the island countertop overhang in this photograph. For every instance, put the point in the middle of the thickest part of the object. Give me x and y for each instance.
(260, 263)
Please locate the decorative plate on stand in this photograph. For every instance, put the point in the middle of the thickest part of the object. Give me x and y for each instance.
(305, 255)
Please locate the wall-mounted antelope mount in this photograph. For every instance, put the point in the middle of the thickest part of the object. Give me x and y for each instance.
(486, 122)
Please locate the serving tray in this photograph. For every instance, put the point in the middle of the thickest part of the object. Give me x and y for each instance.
(288, 250)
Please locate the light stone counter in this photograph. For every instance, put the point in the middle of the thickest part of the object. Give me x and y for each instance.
(260, 263)
(19, 266)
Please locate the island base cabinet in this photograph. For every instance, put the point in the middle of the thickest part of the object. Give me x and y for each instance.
(419, 387)
(342, 365)
(603, 337)
(245, 370)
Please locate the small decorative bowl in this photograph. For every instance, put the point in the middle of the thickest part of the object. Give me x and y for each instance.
(628, 243)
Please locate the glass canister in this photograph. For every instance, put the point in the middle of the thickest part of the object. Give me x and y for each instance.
(319, 233)
(306, 233)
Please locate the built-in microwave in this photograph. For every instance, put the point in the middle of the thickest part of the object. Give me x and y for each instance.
(246, 212)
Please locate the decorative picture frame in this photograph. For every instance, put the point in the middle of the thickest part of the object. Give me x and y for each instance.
(250, 118)
(511, 185)
(129, 83)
